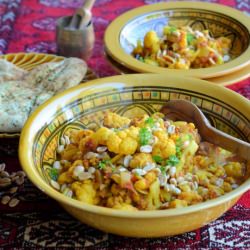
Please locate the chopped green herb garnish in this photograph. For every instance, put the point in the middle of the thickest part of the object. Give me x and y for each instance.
(172, 160)
(104, 163)
(179, 142)
(190, 38)
(178, 151)
(53, 173)
(169, 29)
(141, 59)
(150, 122)
(182, 139)
(157, 159)
(172, 29)
(163, 170)
(144, 136)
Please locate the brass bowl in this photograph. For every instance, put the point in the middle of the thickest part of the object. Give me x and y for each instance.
(83, 106)
(123, 33)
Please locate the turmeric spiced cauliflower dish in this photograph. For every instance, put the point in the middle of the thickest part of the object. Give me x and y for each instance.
(144, 163)
(182, 48)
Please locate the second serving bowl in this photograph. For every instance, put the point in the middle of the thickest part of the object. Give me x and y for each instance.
(123, 33)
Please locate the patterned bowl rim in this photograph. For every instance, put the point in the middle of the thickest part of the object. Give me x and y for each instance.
(114, 49)
(27, 138)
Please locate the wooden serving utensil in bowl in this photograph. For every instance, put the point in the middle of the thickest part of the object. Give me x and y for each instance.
(187, 111)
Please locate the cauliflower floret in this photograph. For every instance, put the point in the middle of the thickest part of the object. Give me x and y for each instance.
(128, 146)
(84, 192)
(102, 135)
(164, 148)
(113, 143)
(113, 120)
(151, 41)
(122, 134)
(234, 169)
(133, 132)
(140, 160)
(120, 143)
(161, 135)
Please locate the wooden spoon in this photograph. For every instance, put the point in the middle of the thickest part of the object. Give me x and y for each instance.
(187, 111)
(82, 16)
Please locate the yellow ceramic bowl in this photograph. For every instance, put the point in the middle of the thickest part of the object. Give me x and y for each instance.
(130, 95)
(122, 34)
(224, 80)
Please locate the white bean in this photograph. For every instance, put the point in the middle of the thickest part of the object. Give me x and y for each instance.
(55, 184)
(78, 170)
(91, 170)
(172, 171)
(146, 149)
(171, 129)
(84, 176)
(139, 171)
(127, 160)
(90, 155)
(57, 165)
(149, 167)
(60, 149)
(101, 149)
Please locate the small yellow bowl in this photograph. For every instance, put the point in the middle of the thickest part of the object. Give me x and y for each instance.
(123, 33)
(83, 107)
(224, 80)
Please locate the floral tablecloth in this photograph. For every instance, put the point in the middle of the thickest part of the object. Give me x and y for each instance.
(39, 222)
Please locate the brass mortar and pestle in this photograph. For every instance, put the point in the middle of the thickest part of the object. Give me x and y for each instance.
(75, 35)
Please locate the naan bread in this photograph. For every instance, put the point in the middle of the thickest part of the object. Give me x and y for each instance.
(16, 104)
(10, 72)
(28, 90)
(57, 76)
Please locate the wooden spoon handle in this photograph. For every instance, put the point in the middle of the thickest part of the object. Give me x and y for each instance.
(228, 142)
(88, 4)
(85, 13)
(189, 112)
(221, 139)
(82, 15)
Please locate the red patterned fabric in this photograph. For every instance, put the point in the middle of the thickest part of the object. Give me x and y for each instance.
(38, 222)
